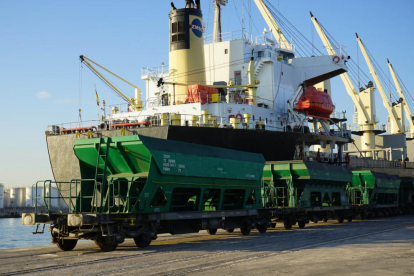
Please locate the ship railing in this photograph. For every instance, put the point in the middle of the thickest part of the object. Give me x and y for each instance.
(367, 127)
(228, 36)
(362, 163)
(234, 96)
(72, 127)
(210, 120)
(157, 71)
(338, 48)
(270, 40)
(338, 115)
(249, 37)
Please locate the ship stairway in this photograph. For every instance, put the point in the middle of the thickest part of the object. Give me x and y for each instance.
(259, 66)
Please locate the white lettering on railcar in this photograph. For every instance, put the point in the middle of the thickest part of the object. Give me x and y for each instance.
(166, 156)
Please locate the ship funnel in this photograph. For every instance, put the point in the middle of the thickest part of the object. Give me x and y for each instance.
(189, 4)
(186, 58)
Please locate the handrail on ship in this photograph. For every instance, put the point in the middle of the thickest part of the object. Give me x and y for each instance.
(241, 34)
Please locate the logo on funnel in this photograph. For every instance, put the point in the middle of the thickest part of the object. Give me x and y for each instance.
(197, 27)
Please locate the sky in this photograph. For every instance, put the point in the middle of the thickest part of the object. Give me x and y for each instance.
(42, 83)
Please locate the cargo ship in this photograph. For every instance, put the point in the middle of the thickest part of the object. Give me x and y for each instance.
(205, 150)
(228, 90)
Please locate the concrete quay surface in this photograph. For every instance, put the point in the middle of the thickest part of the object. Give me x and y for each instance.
(382, 246)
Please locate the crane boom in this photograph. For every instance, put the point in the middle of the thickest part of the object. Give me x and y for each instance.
(274, 28)
(400, 92)
(391, 111)
(135, 102)
(345, 78)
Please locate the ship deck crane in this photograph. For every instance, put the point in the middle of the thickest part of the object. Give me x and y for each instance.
(408, 113)
(363, 101)
(134, 102)
(345, 78)
(395, 111)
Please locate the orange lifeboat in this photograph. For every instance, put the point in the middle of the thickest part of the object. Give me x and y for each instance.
(314, 103)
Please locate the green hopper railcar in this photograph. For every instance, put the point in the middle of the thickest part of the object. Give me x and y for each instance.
(136, 187)
(318, 189)
(374, 194)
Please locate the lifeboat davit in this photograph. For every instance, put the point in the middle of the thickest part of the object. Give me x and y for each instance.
(314, 103)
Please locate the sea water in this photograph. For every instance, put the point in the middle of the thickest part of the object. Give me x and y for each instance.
(13, 234)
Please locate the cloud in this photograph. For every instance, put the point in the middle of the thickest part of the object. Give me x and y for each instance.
(43, 95)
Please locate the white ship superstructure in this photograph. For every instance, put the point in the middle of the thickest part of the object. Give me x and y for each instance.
(278, 73)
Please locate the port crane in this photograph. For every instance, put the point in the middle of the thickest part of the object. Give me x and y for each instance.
(363, 101)
(395, 111)
(135, 103)
(408, 114)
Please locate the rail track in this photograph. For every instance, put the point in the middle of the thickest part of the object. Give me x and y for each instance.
(224, 251)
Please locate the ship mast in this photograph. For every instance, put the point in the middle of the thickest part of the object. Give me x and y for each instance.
(217, 20)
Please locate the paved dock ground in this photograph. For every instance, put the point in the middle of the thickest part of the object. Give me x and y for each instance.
(382, 246)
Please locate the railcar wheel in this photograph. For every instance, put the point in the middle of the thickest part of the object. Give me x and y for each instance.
(341, 219)
(140, 242)
(349, 219)
(229, 230)
(273, 224)
(301, 224)
(245, 231)
(325, 219)
(66, 245)
(288, 225)
(105, 245)
(262, 229)
(212, 231)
